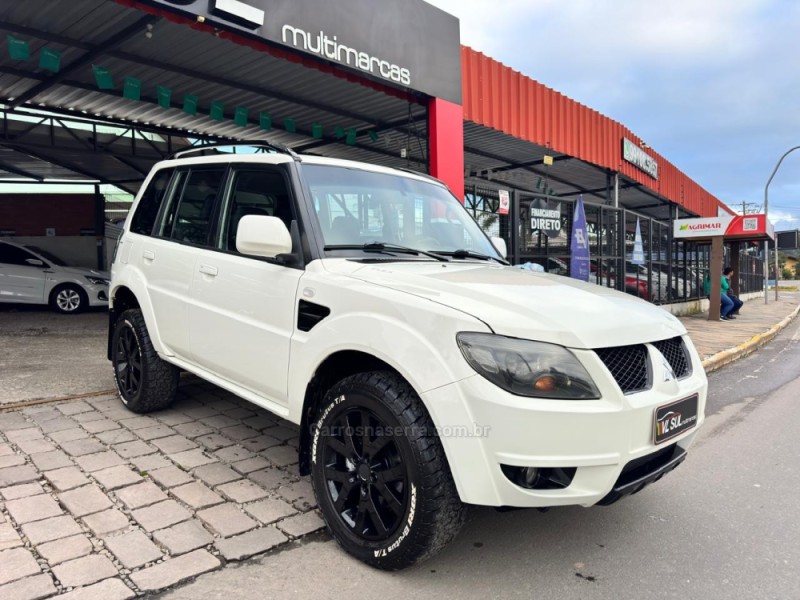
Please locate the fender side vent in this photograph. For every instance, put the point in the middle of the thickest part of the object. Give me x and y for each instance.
(309, 314)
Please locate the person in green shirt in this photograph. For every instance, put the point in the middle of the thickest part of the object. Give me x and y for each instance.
(727, 304)
(727, 273)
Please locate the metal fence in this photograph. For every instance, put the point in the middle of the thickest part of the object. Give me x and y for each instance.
(672, 270)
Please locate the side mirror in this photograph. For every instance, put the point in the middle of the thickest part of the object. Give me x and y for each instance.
(35, 262)
(500, 245)
(259, 235)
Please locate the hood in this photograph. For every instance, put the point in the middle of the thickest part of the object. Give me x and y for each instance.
(82, 272)
(525, 304)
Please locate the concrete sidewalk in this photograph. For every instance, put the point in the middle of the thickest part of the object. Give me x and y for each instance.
(720, 342)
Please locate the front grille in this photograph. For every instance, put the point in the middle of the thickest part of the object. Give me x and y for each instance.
(628, 365)
(674, 351)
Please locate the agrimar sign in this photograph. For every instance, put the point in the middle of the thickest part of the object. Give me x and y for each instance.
(730, 226)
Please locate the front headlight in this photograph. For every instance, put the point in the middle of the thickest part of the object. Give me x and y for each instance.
(97, 280)
(527, 368)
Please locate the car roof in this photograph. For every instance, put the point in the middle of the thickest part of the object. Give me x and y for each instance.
(280, 158)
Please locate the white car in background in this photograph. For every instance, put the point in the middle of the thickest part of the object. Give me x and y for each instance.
(29, 275)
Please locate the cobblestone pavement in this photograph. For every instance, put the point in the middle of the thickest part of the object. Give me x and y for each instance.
(98, 502)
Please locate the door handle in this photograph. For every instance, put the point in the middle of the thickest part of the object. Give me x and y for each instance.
(148, 255)
(209, 270)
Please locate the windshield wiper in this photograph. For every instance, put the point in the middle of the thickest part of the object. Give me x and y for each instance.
(386, 249)
(463, 253)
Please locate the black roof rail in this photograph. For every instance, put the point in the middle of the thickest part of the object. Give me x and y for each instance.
(263, 144)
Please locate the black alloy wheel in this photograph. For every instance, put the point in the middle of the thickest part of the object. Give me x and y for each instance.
(145, 382)
(128, 363)
(379, 472)
(365, 476)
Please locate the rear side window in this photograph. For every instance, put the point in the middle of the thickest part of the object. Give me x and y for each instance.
(194, 203)
(144, 219)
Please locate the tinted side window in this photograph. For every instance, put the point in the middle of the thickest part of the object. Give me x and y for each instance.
(146, 212)
(254, 191)
(195, 206)
(11, 255)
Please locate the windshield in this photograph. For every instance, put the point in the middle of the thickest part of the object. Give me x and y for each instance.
(357, 207)
(45, 254)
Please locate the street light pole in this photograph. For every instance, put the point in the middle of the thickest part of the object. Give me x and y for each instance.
(766, 216)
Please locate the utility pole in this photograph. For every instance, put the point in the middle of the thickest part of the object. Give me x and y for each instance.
(766, 243)
(749, 208)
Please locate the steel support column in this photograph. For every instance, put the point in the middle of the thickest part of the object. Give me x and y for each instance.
(446, 144)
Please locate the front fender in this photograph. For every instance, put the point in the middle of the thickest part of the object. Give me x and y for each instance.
(423, 349)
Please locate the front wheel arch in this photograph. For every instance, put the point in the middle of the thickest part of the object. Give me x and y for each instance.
(336, 367)
(396, 442)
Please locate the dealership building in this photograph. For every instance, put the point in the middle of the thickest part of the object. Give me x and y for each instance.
(97, 91)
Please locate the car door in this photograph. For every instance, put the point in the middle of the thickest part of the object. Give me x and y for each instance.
(242, 313)
(168, 257)
(22, 275)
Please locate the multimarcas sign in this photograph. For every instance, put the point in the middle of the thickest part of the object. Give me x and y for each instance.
(330, 48)
(407, 43)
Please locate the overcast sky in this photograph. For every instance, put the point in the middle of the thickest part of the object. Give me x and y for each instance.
(712, 85)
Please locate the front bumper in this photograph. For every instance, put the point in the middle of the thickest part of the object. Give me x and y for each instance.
(97, 294)
(641, 472)
(482, 427)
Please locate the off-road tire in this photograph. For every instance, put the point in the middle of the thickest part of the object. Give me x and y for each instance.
(145, 382)
(429, 514)
(68, 299)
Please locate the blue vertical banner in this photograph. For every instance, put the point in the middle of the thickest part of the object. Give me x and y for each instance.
(638, 251)
(579, 246)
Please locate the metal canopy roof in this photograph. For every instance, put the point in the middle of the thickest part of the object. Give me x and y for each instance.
(491, 155)
(391, 127)
(159, 52)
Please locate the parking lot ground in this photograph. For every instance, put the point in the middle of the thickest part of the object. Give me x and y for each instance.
(97, 498)
(98, 502)
(44, 354)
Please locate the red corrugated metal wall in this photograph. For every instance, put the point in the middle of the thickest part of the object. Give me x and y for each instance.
(499, 97)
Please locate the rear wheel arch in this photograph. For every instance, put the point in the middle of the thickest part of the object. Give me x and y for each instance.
(121, 299)
(145, 382)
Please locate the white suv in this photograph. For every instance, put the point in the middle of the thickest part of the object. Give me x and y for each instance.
(365, 304)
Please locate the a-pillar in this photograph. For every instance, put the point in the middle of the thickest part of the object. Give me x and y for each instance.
(446, 144)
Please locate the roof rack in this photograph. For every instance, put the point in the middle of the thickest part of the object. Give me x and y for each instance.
(263, 144)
